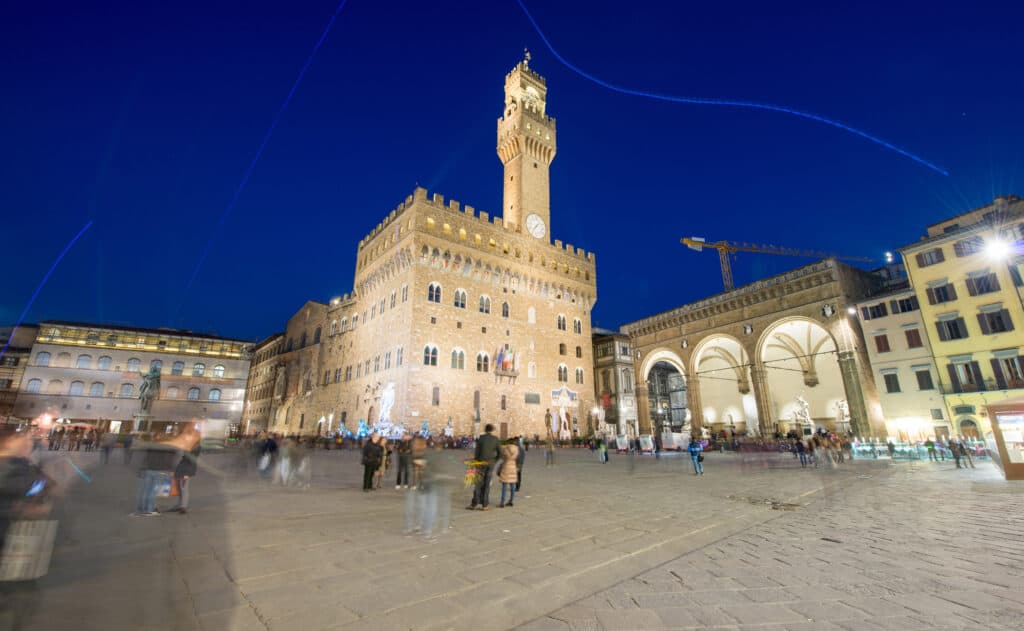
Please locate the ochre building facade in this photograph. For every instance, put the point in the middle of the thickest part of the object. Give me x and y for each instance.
(456, 318)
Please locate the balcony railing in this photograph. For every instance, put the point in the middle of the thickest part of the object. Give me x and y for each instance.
(988, 385)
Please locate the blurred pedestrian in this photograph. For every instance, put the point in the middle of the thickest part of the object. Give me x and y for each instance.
(128, 440)
(190, 445)
(696, 450)
(487, 452)
(520, 461)
(965, 453)
(404, 451)
(107, 441)
(385, 457)
(372, 454)
(549, 449)
(159, 461)
(419, 449)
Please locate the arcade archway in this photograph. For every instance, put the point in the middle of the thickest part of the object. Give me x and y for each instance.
(665, 384)
(721, 368)
(800, 362)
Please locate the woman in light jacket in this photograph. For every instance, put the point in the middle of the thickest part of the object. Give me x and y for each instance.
(509, 472)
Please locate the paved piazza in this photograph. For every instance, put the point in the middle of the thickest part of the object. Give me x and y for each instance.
(762, 545)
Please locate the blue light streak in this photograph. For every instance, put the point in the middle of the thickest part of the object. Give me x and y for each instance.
(259, 153)
(728, 102)
(39, 288)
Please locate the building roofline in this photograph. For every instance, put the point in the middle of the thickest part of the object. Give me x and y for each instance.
(138, 329)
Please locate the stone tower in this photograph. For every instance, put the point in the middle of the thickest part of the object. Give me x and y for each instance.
(526, 146)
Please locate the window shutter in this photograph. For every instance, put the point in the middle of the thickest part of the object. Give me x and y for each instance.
(939, 257)
(864, 313)
(942, 331)
(971, 288)
(920, 259)
(881, 307)
(1007, 320)
(952, 291)
(962, 325)
(998, 371)
(914, 303)
(976, 371)
(931, 296)
(954, 380)
(983, 323)
(894, 306)
(995, 281)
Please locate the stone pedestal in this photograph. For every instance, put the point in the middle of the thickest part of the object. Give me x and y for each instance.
(142, 421)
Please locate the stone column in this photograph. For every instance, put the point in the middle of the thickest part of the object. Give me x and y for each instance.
(643, 409)
(693, 403)
(763, 399)
(854, 394)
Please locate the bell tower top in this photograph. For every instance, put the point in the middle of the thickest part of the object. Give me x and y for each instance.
(526, 146)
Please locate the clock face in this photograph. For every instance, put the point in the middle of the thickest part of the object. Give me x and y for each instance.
(535, 226)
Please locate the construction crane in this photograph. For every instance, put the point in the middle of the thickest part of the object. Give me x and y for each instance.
(727, 248)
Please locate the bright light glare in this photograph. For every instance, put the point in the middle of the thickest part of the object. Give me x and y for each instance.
(997, 249)
(851, 310)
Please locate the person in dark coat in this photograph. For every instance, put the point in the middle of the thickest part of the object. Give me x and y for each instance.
(158, 464)
(487, 451)
(187, 467)
(373, 453)
(520, 460)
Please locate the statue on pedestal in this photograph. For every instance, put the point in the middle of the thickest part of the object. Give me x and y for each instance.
(149, 390)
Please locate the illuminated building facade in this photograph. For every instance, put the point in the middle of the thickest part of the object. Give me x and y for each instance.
(91, 373)
(966, 275)
(12, 365)
(454, 316)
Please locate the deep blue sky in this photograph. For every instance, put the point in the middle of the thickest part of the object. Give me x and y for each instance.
(143, 116)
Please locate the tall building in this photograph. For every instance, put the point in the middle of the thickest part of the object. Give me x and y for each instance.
(454, 315)
(18, 342)
(614, 383)
(966, 273)
(903, 365)
(91, 373)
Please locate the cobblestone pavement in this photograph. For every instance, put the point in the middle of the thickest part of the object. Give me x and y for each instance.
(612, 546)
(922, 546)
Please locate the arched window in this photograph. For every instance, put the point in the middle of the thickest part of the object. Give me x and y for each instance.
(42, 359)
(563, 373)
(288, 347)
(504, 309)
(127, 390)
(103, 363)
(460, 299)
(55, 386)
(429, 355)
(316, 336)
(193, 394)
(485, 304)
(577, 326)
(215, 392)
(561, 349)
(157, 364)
(84, 361)
(483, 362)
(561, 322)
(531, 315)
(218, 371)
(64, 360)
(579, 351)
(344, 324)
(579, 375)
(96, 389)
(302, 340)
(458, 359)
(34, 385)
(198, 370)
(503, 402)
(334, 327)
(178, 368)
(172, 392)
(434, 292)
(77, 389)
(134, 365)
(531, 370)
(435, 396)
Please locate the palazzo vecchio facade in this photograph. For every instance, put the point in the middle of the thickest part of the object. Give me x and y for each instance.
(455, 316)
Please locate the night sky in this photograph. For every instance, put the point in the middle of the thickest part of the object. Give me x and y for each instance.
(143, 117)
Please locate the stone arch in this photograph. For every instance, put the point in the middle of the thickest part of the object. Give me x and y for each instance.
(659, 355)
(720, 376)
(798, 358)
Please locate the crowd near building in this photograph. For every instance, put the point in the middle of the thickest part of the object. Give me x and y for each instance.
(457, 319)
